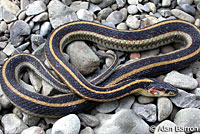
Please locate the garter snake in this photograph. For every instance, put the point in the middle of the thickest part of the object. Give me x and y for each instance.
(129, 79)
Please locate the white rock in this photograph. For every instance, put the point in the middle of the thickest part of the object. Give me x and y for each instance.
(10, 6)
(33, 130)
(107, 107)
(69, 124)
(9, 49)
(133, 22)
(84, 14)
(12, 124)
(181, 80)
(35, 8)
(182, 15)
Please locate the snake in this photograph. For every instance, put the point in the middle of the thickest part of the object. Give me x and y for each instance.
(135, 77)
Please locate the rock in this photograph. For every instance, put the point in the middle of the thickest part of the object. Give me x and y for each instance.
(84, 14)
(60, 14)
(122, 122)
(8, 16)
(35, 81)
(133, 2)
(132, 9)
(167, 49)
(30, 120)
(1, 13)
(36, 40)
(106, 3)
(78, 52)
(88, 120)
(41, 17)
(103, 14)
(196, 91)
(133, 22)
(122, 26)
(188, 9)
(35, 8)
(181, 81)
(109, 60)
(3, 57)
(166, 3)
(96, 1)
(198, 6)
(145, 8)
(9, 49)
(125, 103)
(197, 21)
(33, 130)
(24, 3)
(94, 8)
(115, 17)
(17, 31)
(107, 107)
(164, 108)
(69, 124)
(188, 118)
(46, 88)
(10, 6)
(120, 3)
(182, 15)
(186, 100)
(167, 127)
(77, 5)
(87, 130)
(152, 6)
(67, 2)
(147, 111)
(149, 53)
(180, 2)
(165, 12)
(45, 28)
(12, 124)
(145, 99)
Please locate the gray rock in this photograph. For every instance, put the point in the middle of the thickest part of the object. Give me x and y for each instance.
(35, 81)
(121, 3)
(89, 120)
(12, 124)
(36, 40)
(49, 131)
(188, 118)
(3, 57)
(124, 13)
(187, 71)
(186, 100)
(110, 24)
(39, 52)
(133, 22)
(198, 6)
(1, 12)
(115, 17)
(133, 2)
(181, 81)
(33, 130)
(45, 28)
(46, 88)
(10, 6)
(145, 99)
(17, 31)
(8, 16)
(103, 14)
(84, 14)
(3, 27)
(27, 86)
(166, 3)
(23, 4)
(67, 2)
(9, 49)
(182, 15)
(122, 122)
(30, 120)
(87, 130)
(94, 8)
(146, 8)
(166, 127)
(106, 3)
(188, 9)
(164, 108)
(36, 7)
(152, 7)
(147, 111)
(132, 9)
(180, 2)
(196, 91)
(125, 103)
(107, 107)
(165, 12)
(60, 13)
(77, 5)
(69, 124)
(41, 17)
(96, 1)
(149, 53)
(78, 52)
(109, 60)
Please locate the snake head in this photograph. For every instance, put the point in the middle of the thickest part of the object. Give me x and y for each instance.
(159, 88)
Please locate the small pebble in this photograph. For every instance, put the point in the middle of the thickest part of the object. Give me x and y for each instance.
(133, 22)
(87, 130)
(145, 99)
(115, 17)
(89, 120)
(69, 124)
(35, 8)
(33, 130)
(182, 15)
(167, 49)
(135, 55)
(107, 107)
(125, 103)
(84, 14)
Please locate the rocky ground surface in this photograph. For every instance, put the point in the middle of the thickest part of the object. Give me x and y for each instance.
(25, 26)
